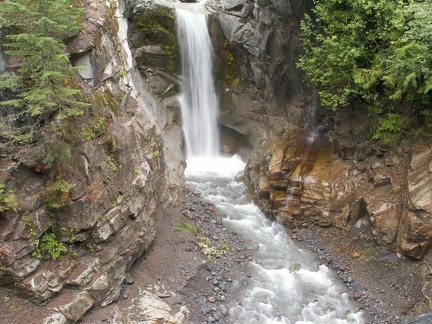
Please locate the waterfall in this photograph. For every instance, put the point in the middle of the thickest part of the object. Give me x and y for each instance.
(198, 101)
(285, 284)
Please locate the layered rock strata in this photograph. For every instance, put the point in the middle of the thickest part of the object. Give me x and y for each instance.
(124, 164)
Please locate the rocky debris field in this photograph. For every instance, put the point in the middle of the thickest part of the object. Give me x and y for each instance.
(193, 266)
(383, 283)
(194, 269)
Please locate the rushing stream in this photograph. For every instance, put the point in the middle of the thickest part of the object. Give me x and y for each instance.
(287, 284)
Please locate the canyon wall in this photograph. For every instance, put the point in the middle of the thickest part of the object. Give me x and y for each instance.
(306, 167)
(79, 225)
(313, 168)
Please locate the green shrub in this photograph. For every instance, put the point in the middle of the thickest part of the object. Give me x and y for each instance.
(49, 246)
(377, 52)
(96, 129)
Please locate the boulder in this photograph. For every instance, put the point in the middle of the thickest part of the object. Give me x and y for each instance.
(283, 7)
(415, 238)
(234, 4)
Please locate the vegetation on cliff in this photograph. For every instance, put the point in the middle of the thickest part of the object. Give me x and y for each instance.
(37, 91)
(7, 199)
(156, 26)
(378, 53)
(37, 84)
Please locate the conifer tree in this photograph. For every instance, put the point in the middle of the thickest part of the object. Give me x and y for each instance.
(40, 84)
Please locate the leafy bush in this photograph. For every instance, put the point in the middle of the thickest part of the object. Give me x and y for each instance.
(375, 51)
(49, 246)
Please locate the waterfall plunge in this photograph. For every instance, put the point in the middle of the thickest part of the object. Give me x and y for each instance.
(198, 101)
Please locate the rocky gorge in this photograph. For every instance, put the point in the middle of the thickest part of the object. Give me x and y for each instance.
(313, 171)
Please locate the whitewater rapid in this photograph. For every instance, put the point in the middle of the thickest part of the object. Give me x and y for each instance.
(287, 284)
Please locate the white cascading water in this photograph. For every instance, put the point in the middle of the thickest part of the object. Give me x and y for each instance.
(198, 101)
(287, 284)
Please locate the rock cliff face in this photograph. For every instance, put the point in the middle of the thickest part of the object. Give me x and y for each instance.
(311, 167)
(80, 225)
(261, 91)
(307, 168)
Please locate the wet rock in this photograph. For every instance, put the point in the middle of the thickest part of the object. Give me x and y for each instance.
(120, 179)
(385, 221)
(234, 4)
(228, 24)
(295, 267)
(423, 319)
(251, 245)
(223, 310)
(129, 280)
(358, 210)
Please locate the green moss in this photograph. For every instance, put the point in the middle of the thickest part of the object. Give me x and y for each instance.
(106, 99)
(188, 227)
(158, 27)
(95, 129)
(111, 163)
(109, 145)
(231, 69)
(97, 121)
(111, 21)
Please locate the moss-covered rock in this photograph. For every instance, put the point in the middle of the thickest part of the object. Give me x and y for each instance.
(153, 35)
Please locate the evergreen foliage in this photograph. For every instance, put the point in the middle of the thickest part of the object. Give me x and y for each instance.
(375, 51)
(40, 84)
(57, 195)
(7, 199)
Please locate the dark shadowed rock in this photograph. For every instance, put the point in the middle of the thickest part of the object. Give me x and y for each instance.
(283, 7)
(423, 319)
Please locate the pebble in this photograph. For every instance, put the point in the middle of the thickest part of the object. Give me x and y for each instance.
(129, 280)
(211, 299)
(205, 310)
(223, 310)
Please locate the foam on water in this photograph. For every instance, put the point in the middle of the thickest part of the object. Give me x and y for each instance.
(287, 284)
